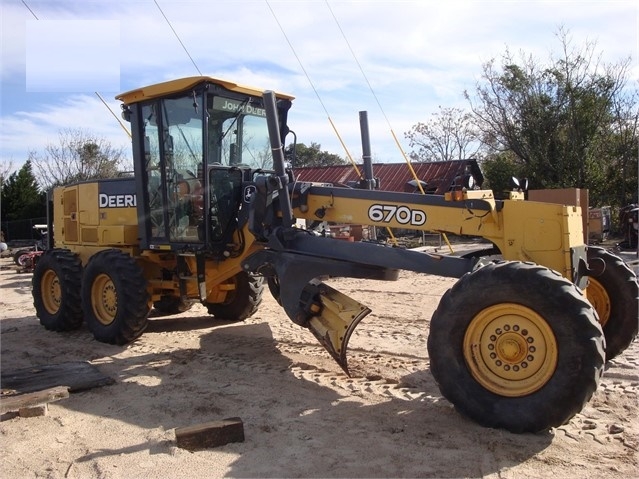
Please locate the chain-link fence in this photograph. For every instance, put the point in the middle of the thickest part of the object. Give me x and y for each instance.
(21, 232)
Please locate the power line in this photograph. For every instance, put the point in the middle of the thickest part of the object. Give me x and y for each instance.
(34, 15)
(178, 37)
(313, 87)
(357, 61)
(410, 167)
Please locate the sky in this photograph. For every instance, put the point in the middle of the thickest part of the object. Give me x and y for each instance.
(398, 60)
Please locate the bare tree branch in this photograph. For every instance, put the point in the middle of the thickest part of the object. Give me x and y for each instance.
(79, 155)
(449, 135)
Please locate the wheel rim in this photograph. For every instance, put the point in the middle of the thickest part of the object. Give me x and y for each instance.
(510, 350)
(599, 299)
(51, 291)
(104, 299)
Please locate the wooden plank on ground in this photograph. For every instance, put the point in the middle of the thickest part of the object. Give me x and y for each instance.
(15, 403)
(210, 434)
(76, 376)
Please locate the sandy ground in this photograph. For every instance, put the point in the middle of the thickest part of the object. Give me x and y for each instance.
(303, 417)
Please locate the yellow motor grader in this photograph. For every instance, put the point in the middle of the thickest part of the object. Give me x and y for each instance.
(210, 215)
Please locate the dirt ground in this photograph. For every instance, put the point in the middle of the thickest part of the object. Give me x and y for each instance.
(303, 417)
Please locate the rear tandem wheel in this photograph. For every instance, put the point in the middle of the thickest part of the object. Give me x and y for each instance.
(114, 297)
(516, 346)
(56, 290)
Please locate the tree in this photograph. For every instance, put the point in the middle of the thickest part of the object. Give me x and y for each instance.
(5, 169)
(311, 156)
(21, 196)
(556, 119)
(498, 169)
(449, 135)
(259, 158)
(79, 156)
(618, 150)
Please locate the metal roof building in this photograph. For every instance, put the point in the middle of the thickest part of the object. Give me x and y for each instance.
(437, 177)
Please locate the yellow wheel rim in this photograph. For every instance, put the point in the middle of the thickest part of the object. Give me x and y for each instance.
(510, 350)
(51, 291)
(104, 299)
(599, 299)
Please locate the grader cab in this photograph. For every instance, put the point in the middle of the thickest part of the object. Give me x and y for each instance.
(210, 216)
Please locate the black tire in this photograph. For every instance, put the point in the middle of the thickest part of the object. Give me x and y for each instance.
(56, 290)
(115, 300)
(168, 305)
(273, 283)
(20, 257)
(516, 346)
(243, 301)
(615, 296)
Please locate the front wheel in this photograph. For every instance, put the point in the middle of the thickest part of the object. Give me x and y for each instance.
(242, 299)
(114, 297)
(56, 290)
(614, 295)
(516, 346)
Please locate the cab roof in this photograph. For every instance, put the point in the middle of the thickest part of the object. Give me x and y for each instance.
(182, 84)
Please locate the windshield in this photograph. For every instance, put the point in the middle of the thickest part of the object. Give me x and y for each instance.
(238, 134)
(173, 162)
(181, 144)
(183, 140)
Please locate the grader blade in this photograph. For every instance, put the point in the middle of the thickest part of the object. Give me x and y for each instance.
(337, 316)
(294, 281)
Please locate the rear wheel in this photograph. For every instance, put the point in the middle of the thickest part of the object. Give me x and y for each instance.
(56, 290)
(516, 346)
(242, 300)
(614, 295)
(114, 297)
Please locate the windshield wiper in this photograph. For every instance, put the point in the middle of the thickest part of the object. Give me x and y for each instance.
(240, 109)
